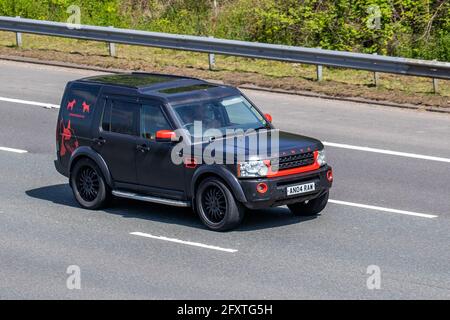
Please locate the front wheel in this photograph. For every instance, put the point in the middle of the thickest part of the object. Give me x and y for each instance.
(216, 205)
(311, 207)
(88, 185)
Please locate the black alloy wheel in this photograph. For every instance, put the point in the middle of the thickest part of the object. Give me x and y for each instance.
(216, 205)
(88, 184)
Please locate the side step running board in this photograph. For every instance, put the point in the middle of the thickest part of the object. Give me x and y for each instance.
(136, 196)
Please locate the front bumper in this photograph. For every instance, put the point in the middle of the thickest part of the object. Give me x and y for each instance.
(276, 194)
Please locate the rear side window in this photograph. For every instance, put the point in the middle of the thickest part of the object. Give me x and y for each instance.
(78, 107)
(121, 117)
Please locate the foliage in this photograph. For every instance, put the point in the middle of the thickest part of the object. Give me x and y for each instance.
(410, 28)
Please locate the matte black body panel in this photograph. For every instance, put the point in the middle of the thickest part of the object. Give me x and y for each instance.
(126, 166)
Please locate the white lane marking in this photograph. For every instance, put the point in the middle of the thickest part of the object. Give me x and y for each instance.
(195, 244)
(329, 144)
(364, 206)
(34, 103)
(384, 151)
(13, 150)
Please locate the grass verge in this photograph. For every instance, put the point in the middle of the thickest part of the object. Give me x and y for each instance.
(233, 70)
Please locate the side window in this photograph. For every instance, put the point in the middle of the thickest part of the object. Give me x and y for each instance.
(152, 120)
(78, 106)
(121, 117)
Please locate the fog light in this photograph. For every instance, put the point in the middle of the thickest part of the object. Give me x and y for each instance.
(330, 175)
(262, 187)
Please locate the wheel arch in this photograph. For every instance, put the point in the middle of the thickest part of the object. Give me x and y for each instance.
(220, 172)
(87, 152)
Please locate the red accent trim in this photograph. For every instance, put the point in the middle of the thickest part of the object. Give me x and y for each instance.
(190, 163)
(330, 175)
(288, 172)
(262, 187)
(165, 134)
(74, 115)
(268, 117)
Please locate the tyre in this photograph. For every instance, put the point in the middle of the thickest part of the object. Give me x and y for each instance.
(216, 205)
(311, 207)
(88, 185)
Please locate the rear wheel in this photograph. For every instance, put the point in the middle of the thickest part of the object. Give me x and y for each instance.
(216, 205)
(311, 207)
(88, 185)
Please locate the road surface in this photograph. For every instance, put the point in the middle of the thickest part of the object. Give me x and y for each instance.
(390, 208)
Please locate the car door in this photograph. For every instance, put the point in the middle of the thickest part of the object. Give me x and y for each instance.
(117, 138)
(155, 168)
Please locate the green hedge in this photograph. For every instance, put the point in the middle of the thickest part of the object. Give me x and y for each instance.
(410, 28)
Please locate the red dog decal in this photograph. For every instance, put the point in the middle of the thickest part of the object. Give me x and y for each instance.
(86, 107)
(71, 104)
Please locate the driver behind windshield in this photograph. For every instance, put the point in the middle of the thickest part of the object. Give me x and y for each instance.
(201, 112)
(233, 112)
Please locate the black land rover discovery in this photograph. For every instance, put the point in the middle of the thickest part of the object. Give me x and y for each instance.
(184, 142)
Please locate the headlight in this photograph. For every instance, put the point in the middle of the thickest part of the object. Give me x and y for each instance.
(254, 168)
(321, 159)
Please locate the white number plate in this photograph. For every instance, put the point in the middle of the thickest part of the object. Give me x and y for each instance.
(302, 188)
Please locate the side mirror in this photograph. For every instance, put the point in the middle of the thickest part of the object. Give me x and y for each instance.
(166, 135)
(268, 117)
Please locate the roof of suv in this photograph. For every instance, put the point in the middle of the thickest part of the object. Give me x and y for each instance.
(174, 88)
(167, 84)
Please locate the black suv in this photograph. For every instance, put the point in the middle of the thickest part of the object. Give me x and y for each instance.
(184, 142)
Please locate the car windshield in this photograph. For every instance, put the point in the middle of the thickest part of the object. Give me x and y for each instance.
(221, 114)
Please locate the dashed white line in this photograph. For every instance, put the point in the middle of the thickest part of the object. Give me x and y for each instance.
(329, 144)
(389, 152)
(13, 150)
(189, 243)
(34, 103)
(365, 206)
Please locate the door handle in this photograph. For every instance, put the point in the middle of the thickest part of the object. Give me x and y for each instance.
(142, 148)
(100, 141)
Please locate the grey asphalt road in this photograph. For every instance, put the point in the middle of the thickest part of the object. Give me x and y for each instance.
(279, 256)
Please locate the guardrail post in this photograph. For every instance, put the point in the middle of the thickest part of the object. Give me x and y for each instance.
(18, 37)
(112, 47)
(376, 76)
(435, 84)
(212, 59)
(319, 70)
